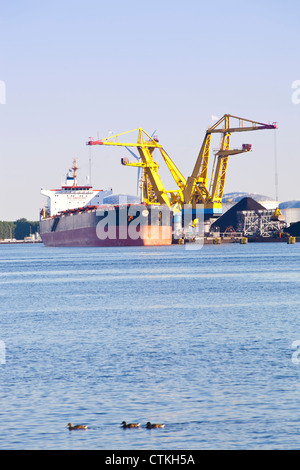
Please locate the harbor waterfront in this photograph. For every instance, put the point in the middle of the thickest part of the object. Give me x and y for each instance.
(205, 341)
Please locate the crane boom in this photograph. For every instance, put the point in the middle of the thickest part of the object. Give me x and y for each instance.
(196, 190)
(255, 125)
(154, 190)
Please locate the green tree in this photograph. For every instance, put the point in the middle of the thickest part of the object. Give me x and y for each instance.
(24, 228)
(7, 229)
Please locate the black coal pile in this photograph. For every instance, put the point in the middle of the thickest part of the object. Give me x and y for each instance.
(229, 220)
(293, 229)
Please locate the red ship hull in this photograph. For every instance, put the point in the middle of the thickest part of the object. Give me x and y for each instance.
(88, 237)
(81, 228)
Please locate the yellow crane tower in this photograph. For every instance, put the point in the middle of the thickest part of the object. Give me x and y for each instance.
(153, 189)
(197, 190)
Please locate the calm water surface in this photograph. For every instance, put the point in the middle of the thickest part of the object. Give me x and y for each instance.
(200, 340)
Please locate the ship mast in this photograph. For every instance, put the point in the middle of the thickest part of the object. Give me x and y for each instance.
(75, 168)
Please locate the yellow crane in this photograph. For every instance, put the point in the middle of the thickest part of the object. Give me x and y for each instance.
(197, 190)
(153, 189)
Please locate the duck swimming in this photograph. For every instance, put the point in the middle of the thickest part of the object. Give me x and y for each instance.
(155, 425)
(130, 425)
(74, 428)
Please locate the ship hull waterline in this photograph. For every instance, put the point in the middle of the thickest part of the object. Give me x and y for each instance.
(87, 237)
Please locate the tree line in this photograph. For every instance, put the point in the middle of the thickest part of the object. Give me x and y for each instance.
(19, 229)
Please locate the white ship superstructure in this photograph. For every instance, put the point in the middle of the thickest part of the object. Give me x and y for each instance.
(72, 218)
(71, 195)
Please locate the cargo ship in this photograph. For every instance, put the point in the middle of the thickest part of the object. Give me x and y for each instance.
(79, 215)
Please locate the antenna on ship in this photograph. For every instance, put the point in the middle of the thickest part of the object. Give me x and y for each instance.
(276, 168)
(90, 165)
(75, 168)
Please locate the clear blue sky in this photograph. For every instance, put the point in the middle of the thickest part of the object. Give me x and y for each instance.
(75, 69)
